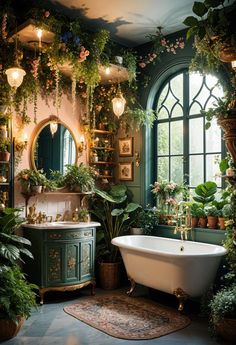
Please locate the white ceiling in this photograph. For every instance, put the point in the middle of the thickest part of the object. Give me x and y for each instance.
(129, 21)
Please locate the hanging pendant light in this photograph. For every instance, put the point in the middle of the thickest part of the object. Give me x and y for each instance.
(118, 103)
(15, 74)
(53, 127)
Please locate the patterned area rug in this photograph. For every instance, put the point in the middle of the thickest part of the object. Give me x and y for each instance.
(128, 317)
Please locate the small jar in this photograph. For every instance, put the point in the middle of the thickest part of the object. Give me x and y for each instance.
(95, 157)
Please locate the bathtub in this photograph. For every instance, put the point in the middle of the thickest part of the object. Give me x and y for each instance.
(183, 268)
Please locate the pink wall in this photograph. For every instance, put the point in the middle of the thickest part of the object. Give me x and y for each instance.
(51, 204)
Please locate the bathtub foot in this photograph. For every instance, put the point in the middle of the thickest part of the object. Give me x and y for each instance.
(182, 297)
(132, 287)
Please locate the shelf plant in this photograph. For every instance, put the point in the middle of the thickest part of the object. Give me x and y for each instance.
(79, 178)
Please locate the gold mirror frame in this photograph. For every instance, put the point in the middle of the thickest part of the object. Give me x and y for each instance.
(38, 130)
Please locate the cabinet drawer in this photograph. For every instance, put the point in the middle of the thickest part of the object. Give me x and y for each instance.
(69, 234)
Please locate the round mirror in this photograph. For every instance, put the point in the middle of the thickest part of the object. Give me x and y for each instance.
(53, 151)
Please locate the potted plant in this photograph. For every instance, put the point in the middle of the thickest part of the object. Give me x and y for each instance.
(223, 312)
(32, 181)
(212, 216)
(113, 210)
(79, 178)
(195, 213)
(202, 218)
(4, 149)
(143, 222)
(83, 214)
(16, 294)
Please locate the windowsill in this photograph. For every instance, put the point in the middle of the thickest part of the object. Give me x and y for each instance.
(205, 235)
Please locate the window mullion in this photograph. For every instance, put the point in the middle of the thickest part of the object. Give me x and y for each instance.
(186, 127)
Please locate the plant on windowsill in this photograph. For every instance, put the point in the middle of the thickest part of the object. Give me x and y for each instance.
(212, 214)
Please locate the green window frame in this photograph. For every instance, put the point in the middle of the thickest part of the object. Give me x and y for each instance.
(179, 153)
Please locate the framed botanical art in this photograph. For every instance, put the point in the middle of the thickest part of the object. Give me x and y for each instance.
(126, 147)
(126, 171)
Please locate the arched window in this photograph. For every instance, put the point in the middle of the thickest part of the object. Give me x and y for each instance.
(184, 150)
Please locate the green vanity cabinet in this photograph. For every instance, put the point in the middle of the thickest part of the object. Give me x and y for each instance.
(63, 257)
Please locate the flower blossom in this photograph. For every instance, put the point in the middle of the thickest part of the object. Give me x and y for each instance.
(83, 54)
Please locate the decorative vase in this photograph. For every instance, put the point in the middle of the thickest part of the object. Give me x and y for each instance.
(109, 275)
(228, 124)
(9, 328)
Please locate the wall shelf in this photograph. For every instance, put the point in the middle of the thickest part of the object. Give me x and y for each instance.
(27, 35)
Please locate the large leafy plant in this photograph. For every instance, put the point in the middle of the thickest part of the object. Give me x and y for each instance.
(11, 245)
(113, 210)
(205, 192)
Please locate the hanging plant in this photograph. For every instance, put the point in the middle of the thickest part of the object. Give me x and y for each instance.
(34, 71)
(160, 45)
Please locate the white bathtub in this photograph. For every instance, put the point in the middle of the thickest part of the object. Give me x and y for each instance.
(170, 265)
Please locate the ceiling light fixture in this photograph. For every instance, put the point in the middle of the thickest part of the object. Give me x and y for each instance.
(53, 127)
(15, 75)
(118, 103)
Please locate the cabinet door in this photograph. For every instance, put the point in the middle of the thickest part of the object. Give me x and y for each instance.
(54, 264)
(72, 258)
(87, 260)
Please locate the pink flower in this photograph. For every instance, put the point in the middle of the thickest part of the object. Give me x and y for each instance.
(83, 54)
(142, 64)
(46, 14)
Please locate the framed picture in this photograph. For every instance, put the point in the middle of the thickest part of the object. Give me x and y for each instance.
(126, 147)
(126, 171)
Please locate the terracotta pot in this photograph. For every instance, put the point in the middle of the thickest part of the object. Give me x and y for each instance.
(212, 222)
(202, 222)
(228, 125)
(9, 329)
(109, 275)
(227, 329)
(221, 223)
(5, 156)
(194, 222)
(227, 53)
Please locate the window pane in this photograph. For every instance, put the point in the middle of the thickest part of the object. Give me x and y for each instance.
(212, 169)
(163, 139)
(163, 168)
(213, 138)
(177, 111)
(196, 135)
(177, 87)
(161, 109)
(176, 137)
(196, 170)
(177, 169)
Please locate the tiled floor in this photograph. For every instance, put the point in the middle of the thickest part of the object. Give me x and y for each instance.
(51, 325)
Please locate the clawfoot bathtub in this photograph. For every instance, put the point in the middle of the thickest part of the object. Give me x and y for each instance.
(183, 268)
